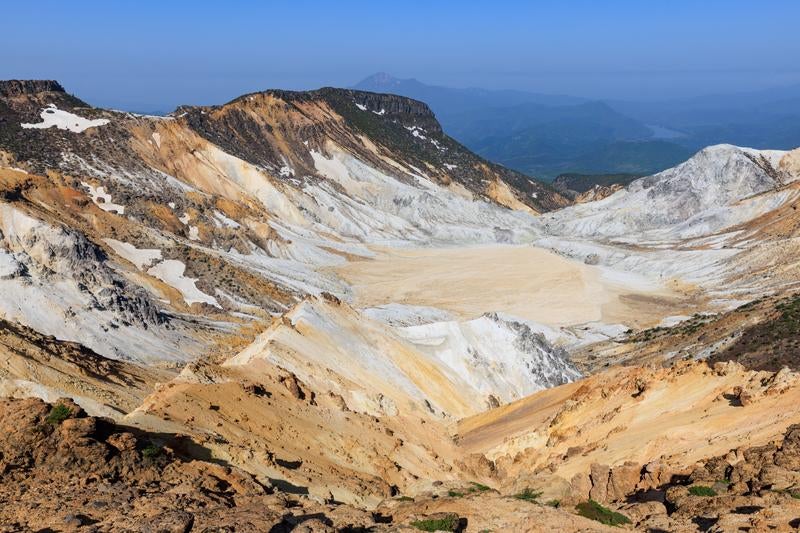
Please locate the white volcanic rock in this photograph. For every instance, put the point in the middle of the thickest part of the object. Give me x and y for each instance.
(451, 369)
(57, 282)
(497, 356)
(698, 197)
(371, 206)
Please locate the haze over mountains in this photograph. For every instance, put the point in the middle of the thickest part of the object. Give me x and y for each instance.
(547, 135)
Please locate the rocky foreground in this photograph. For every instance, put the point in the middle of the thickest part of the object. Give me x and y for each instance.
(61, 470)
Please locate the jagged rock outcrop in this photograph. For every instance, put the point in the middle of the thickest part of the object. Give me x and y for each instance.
(12, 88)
(64, 471)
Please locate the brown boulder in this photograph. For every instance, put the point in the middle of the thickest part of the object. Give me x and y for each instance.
(599, 476)
(174, 521)
(623, 480)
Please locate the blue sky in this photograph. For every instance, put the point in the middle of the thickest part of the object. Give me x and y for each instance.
(149, 55)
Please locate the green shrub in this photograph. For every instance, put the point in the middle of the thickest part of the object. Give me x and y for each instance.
(442, 524)
(405, 499)
(529, 495)
(700, 490)
(604, 515)
(478, 487)
(455, 494)
(58, 414)
(554, 503)
(151, 451)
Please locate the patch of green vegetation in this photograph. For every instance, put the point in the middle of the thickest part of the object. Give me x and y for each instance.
(604, 515)
(528, 495)
(442, 524)
(725, 480)
(455, 494)
(795, 495)
(700, 490)
(684, 329)
(58, 414)
(405, 499)
(151, 451)
(479, 487)
(554, 503)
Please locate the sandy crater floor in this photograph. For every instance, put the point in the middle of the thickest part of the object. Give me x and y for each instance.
(523, 281)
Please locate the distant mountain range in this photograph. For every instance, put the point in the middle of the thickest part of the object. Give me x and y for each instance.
(546, 135)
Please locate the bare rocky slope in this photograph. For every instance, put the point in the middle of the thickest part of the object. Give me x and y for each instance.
(315, 311)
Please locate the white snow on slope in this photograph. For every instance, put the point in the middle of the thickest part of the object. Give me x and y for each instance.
(64, 120)
(171, 273)
(103, 200)
(141, 257)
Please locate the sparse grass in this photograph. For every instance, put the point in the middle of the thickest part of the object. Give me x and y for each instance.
(405, 499)
(442, 524)
(528, 495)
(58, 414)
(604, 515)
(455, 494)
(701, 490)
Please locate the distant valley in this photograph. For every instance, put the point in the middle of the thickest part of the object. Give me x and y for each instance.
(547, 135)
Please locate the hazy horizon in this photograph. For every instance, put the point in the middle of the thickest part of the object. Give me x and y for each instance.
(151, 56)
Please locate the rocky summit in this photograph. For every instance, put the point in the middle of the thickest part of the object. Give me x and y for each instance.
(316, 311)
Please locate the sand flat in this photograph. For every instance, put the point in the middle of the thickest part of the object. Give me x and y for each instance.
(523, 281)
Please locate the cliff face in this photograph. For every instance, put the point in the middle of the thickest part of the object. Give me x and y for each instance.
(10, 88)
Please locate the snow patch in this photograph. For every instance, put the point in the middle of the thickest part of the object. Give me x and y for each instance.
(171, 272)
(103, 200)
(141, 257)
(64, 120)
